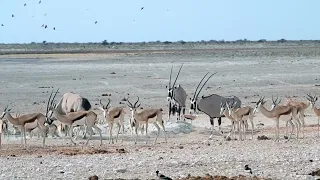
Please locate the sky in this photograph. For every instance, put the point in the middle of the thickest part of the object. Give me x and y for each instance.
(164, 20)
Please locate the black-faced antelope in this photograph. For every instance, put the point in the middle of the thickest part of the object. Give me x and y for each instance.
(316, 111)
(113, 116)
(177, 97)
(241, 115)
(21, 121)
(210, 105)
(72, 117)
(146, 116)
(275, 114)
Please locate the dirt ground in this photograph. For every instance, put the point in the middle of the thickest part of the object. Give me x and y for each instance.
(27, 81)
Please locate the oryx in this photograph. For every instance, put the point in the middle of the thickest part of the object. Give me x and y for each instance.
(210, 105)
(72, 102)
(177, 97)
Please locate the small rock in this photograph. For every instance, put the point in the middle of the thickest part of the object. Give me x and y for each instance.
(112, 73)
(180, 147)
(120, 170)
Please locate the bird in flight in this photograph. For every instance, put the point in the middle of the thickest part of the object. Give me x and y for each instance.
(12, 15)
(142, 8)
(96, 22)
(2, 25)
(42, 25)
(54, 28)
(45, 26)
(39, 2)
(25, 4)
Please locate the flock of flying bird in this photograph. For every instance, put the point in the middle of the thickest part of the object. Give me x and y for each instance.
(73, 110)
(45, 25)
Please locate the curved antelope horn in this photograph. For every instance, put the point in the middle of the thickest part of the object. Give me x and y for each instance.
(130, 105)
(177, 75)
(195, 92)
(136, 102)
(205, 84)
(101, 103)
(170, 77)
(108, 103)
(5, 108)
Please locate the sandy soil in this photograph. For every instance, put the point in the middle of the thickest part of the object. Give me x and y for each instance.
(27, 80)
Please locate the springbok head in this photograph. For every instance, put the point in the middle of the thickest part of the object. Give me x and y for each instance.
(222, 107)
(231, 105)
(193, 100)
(51, 106)
(5, 110)
(171, 88)
(275, 102)
(258, 104)
(312, 99)
(133, 107)
(104, 108)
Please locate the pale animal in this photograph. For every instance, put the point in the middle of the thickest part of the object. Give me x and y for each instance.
(113, 116)
(146, 116)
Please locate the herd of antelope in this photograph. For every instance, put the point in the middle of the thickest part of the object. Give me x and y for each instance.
(73, 110)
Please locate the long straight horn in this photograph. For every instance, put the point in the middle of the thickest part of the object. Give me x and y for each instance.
(49, 101)
(170, 77)
(177, 75)
(55, 95)
(195, 92)
(205, 83)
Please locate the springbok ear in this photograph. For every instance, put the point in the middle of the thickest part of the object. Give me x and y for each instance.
(9, 110)
(166, 87)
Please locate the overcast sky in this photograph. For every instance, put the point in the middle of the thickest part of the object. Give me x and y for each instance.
(172, 20)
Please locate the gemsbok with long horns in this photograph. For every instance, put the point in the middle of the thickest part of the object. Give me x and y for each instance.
(210, 105)
(177, 97)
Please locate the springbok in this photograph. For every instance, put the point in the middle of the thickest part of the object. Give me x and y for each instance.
(21, 122)
(72, 102)
(210, 105)
(241, 115)
(315, 110)
(286, 118)
(302, 106)
(177, 97)
(113, 116)
(276, 113)
(146, 116)
(72, 117)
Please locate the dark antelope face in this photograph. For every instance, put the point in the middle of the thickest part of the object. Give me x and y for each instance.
(6, 110)
(193, 100)
(193, 105)
(258, 104)
(171, 88)
(50, 107)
